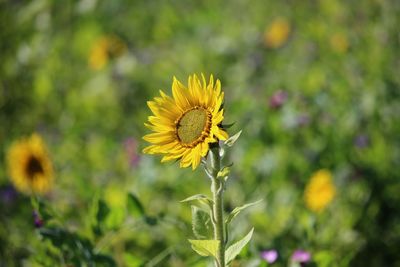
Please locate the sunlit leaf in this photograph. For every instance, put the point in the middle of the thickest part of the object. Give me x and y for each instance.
(135, 207)
(132, 260)
(231, 140)
(115, 218)
(200, 198)
(205, 247)
(224, 172)
(235, 248)
(237, 210)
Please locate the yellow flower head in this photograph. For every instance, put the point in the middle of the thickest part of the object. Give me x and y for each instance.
(319, 191)
(184, 125)
(104, 49)
(277, 33)
(29, 165)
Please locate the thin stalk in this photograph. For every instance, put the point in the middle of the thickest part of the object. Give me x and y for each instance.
(217, 189)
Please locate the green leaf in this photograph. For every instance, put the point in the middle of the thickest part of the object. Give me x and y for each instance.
(231, 140)
(294, 264)
(201, 198)
(237, 210)
(102, 211)
(201, 223)
(104, 260)
(227, 126)
(151, 220)
(205, 247)
(224, 172)
(115, 218)
(131, 260)
(135, 207)
(45, 211)
(76, 248)
(235, 248)
(63, 239)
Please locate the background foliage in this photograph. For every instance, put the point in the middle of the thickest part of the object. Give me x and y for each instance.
(80, 73)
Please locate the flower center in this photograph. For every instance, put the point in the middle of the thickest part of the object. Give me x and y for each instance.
(193, 126)
(34, 167)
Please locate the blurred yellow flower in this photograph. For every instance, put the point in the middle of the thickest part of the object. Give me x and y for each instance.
(277, 33)
(339, 43)
(29, 165)
(319, 191)
(186, 124)
(103, 49)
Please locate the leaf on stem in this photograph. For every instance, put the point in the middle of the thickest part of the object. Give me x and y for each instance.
(227, 126)
(135, 207)
(201, 223)
(235, 248)
(237, 210)
(231, 140)
(223, 173)
(205, 247)
(203, 199)
(102, 211)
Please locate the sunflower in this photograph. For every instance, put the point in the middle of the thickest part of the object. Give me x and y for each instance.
(319, 191)
(29, 165)
(186, 124)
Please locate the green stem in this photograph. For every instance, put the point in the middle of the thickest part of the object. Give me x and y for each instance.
(218, 208)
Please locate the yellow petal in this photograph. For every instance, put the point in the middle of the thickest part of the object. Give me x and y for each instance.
(196, 156)
(204, 149)
(160, 138)
(178, 93)
(219, 133)
(217, 119)
(153, 149)
(170, 157)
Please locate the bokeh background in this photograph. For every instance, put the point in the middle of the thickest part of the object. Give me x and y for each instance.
(312, 84)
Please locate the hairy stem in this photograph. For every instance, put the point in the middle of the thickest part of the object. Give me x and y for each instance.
(217, 188)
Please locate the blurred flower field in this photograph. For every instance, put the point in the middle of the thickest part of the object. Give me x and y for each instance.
(313, 85)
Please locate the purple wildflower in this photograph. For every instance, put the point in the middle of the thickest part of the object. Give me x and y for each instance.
(278, 99)
(8, 194)
(130, 146)
(361, 141)
(301, 256)
(303, 120)
(269, 255)
(37, 221)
